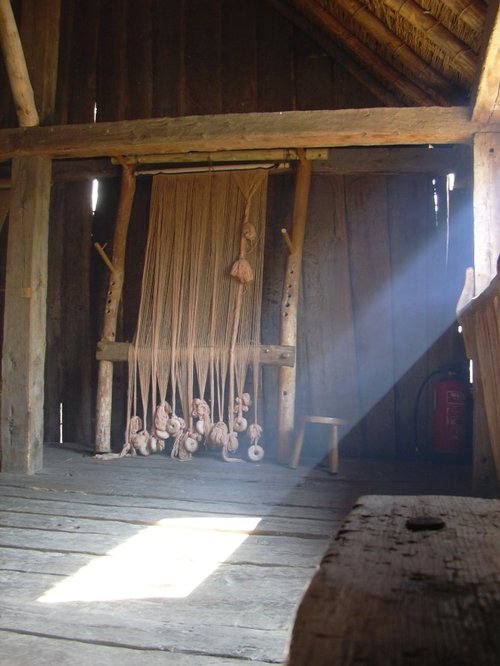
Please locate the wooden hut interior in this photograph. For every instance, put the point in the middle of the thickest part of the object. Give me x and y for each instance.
(262, 232)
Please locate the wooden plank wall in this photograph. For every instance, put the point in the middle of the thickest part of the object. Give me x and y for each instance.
(151, 58)
(376, 314)
(70, 349)
(185, 57)
(363, 280)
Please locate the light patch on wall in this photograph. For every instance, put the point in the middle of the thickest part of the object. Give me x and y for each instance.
(435, 198)
(95, 194)
(450, 184)
(450, 181)
(170, 559)
(61, 429)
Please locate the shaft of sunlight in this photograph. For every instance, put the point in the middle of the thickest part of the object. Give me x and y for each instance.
(168, 559)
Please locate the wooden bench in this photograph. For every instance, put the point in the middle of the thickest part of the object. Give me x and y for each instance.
(408, 581)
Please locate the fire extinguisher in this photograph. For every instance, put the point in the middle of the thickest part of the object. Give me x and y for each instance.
(451, 416)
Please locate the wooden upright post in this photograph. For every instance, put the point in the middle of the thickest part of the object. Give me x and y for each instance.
(486, 201)
(105, 370)
(479, 318)
(23, 360)
(289, 306)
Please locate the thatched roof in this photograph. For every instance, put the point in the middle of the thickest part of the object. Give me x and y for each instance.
(423, 52)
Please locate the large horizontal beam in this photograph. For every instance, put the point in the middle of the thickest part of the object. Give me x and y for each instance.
(269, 354)
(381, 159)
(298, 129)
(395, 159)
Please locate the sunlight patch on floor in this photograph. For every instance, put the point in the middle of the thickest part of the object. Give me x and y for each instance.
(167, 560)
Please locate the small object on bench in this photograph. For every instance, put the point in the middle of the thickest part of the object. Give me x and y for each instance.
(333, 454)
(420, 523)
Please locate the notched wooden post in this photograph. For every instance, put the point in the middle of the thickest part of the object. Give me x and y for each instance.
(113, 297)
(289, 306)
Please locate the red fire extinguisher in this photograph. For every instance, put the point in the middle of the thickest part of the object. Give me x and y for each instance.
(451, 416)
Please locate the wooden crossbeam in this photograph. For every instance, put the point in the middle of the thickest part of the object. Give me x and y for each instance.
(277, 355)
(300, 129)
(394, 159)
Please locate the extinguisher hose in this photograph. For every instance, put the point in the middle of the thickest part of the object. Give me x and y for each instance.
(456, 369)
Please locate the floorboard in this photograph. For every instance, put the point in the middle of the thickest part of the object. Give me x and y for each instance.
(149, 560)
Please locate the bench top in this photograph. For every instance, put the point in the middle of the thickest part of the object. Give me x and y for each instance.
(407, 581)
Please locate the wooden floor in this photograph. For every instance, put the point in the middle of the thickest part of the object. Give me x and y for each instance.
(152, 561)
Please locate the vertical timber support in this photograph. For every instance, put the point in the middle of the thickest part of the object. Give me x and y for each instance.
(289, 307)
(113, 297)
(23, 359)
(23, 354)
(486, 202)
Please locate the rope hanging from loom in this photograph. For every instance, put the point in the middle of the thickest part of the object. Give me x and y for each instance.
(198, 329)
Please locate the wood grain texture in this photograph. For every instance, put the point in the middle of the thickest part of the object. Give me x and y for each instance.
(480, 320)
(239, 56)
(295, 129)
(486, 151)
(269, 354)
(202, 57)
(140, 59)
(408, 239)
(112, 98)
(40, 36)
(79, 510)
(369, 257)
(167, 48)
(389, 595)
(17, 70)
(326, 352)
(289, 308)
(485, 96)
(110, 317)
(25, 315)
(275, 86)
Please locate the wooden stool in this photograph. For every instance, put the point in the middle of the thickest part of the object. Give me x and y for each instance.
(333, 452)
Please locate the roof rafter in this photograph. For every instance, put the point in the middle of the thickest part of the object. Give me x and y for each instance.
(470, 11)
(349, 64)
(427, 77)
(384, 72)
(425, 23)
(486, 98)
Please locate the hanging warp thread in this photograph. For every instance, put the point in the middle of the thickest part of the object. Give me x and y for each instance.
(198, 329)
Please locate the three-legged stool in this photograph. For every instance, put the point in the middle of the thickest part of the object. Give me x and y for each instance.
(333, 453)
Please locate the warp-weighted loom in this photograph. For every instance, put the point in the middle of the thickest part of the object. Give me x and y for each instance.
(194, 362)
